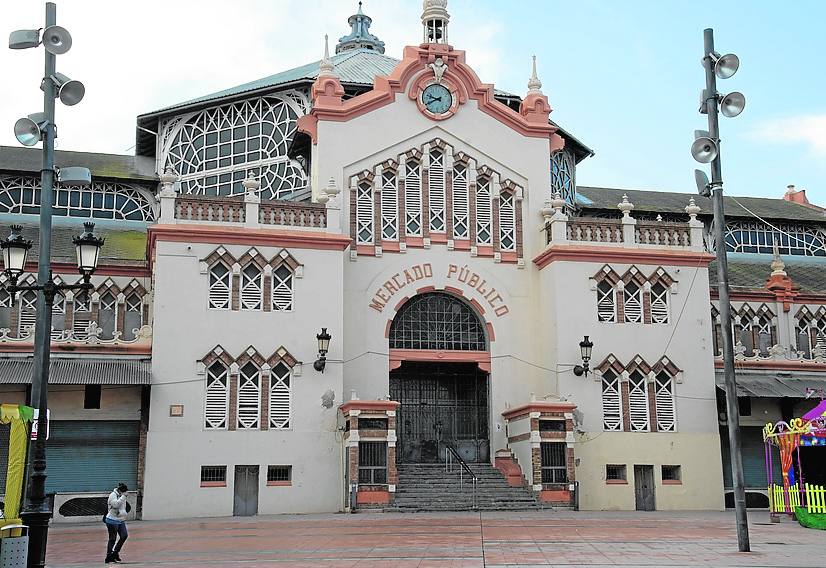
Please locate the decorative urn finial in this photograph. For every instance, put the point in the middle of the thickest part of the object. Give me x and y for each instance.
(534, 84)
(625, 206)
(778, 266)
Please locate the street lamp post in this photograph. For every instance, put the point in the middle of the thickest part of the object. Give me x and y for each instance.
(705, 149)
(29, 131)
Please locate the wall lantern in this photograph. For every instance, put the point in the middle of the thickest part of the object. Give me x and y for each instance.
(585, 346)
(323, 346)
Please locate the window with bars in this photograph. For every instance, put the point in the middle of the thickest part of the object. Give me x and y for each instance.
(437, 320)
(389, 206)
(282, 289)
(611, 401)
(436, 190)
(249, 397)
(616, 472)
(659, 303)
(133, 316)
(373, 463)
(413, 197)
(460, 202)
(252, 287)
(107, 315)
(507, 221)
(666, 413)
(216, 407)
(279, 474)
(213, 475)
(672, 473)
(606, 302)
(220, 287)
(632, 300)
(364, 212)
(484, 217)
(280, 397)
(554, 462)
(638, 402)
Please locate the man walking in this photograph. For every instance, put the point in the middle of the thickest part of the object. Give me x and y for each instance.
(116, 522)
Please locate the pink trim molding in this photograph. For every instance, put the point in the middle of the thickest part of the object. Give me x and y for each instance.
(596, 253)
(482, 358)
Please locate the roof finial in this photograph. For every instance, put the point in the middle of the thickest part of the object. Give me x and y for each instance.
(359, 36)
(326, 66)
(534, 84)
(778, 266)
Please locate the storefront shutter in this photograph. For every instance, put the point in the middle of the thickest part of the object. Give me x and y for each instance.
(4, 454)
(91, 455)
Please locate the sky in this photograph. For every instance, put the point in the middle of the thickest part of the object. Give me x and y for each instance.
(624, 77)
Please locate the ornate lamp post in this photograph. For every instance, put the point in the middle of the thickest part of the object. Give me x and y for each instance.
(323, 346)
(29, 131)
(585, 348)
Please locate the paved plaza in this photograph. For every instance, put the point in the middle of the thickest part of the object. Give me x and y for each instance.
(543, 538)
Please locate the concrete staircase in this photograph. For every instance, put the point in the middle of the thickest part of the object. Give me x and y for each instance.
(427, 487)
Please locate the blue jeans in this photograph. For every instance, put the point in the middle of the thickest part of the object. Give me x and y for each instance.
(116, 529)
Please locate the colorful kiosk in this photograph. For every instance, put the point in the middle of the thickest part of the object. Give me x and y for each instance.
(793, 495)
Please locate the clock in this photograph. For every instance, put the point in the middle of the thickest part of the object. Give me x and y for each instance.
(437, 99)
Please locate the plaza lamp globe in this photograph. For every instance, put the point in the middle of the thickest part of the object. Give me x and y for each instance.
(15, 250)
(586, 346)
(88, 247)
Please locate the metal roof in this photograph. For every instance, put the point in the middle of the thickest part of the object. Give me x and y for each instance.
(122, 246)
(807, 273)
(18, 370)
(766, 386)
(110, 166)
(671, 202)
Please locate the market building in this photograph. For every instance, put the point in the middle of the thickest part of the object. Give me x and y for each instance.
(430, 227)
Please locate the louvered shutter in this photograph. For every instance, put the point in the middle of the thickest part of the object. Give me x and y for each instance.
(413, 198)
(282, 289)
(280, 397)
(220, 287)
(252, 289)
(217, 396)
(484, 232)
(659, 304)
(632, 295)
(460, 202)
(133, 316)
(82, 316)
(638, 402)
(364, 213)
(666, 419)
(507, 222)
(28, 312)
(389, 206)
(249, 397)
(107, 315)
(436, 190)
(611, 402)
(606, 304)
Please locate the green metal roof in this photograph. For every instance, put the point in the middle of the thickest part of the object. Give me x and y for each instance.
(752, 274)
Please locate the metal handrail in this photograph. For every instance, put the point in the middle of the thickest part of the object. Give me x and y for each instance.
(450, 454)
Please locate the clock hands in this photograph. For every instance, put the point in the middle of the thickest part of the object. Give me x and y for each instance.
(432, 98)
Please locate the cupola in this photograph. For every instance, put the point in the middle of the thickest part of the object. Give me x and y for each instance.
(360, 36)
(434, 21)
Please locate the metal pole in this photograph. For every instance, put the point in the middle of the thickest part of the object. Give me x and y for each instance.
(725, 302)
(37, 511)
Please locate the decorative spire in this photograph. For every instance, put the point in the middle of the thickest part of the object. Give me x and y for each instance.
(326, 66)
(534, 84)
(434, 20)
(360, 36)
(778, 266)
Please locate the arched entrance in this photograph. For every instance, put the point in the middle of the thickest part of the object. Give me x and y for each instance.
(439, 363)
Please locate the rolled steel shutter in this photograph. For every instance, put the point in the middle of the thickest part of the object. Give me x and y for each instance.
(4, 455)
(91, 455)
(754, 458)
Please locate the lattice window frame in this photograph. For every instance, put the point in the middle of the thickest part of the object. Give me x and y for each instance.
(811, 325)
(248, 401)
(251, 281)
(413, 199)
(795, 239)
(638, 403)
(461, 200)
(563, 176)
(508, 203)
(280, 392)
(666, 376)
(217, 393)
(484, 210)
(417, 324)
(389, 204)
(752, 323)
(612, 415)
(364, 212)
(437, 190)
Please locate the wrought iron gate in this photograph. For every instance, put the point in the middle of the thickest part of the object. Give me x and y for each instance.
(440, 402)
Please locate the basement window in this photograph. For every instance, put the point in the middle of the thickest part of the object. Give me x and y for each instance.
(616, 473)
(91, 397)
(279, 475)
(213, 476)
(672, 474)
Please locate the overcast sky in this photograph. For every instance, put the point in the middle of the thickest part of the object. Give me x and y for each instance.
(624, 77)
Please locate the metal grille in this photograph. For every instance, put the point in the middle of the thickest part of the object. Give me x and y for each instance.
(373, 462)
(672, 473)
(389, 206)
(364, 213)
(791, 239)
(615, 472)
(252, 288)
(249, 397)
(633, 303)
(280, 397)
(279, 473)
(213, 473)
(133, 316)
(563, 176)
(107, 315)
(437, 321)
(554, 462)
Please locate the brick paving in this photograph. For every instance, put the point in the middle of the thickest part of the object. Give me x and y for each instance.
(447, 540)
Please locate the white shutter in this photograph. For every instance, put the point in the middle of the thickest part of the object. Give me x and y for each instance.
(389, 206)
(217, 397)
(249, 397)
(252, 288)
(58, 316)
(484, 232)
(82, 316)
(659, 304)
(28, 313)
(638, 401)
(460, 202)
(220, 287)
(436, 190)
(666, 419)
(611, 402)
(413, 198)
(364, 213)
(280, 397)
(282, 289)
(606, 302)
(507, 221)
(633, 303)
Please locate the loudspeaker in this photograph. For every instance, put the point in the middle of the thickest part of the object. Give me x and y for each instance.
(701, 179)
(726, 66)
(704, 149)
(70, 91)
(57, 40)
(732, 104)
(27, 131)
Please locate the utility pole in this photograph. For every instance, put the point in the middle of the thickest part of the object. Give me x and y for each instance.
(711, 102)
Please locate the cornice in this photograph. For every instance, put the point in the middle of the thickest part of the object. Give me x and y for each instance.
(596, 253)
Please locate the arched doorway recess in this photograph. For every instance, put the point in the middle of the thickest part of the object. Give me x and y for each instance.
(437, 345)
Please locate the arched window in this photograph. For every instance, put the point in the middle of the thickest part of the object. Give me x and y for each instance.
(664, 385)
(249, 396)
(280, 397)
(611, 401)
(252, 287)
(437, 320)
(754, 330)
(638, 401)
(133, 316)
(220, 286)
(632, 298)
(216, 407)
(811, 332)
(58, 314)
(282, 288)
(214, 150)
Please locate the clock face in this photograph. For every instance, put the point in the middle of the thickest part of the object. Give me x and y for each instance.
(437, 98)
